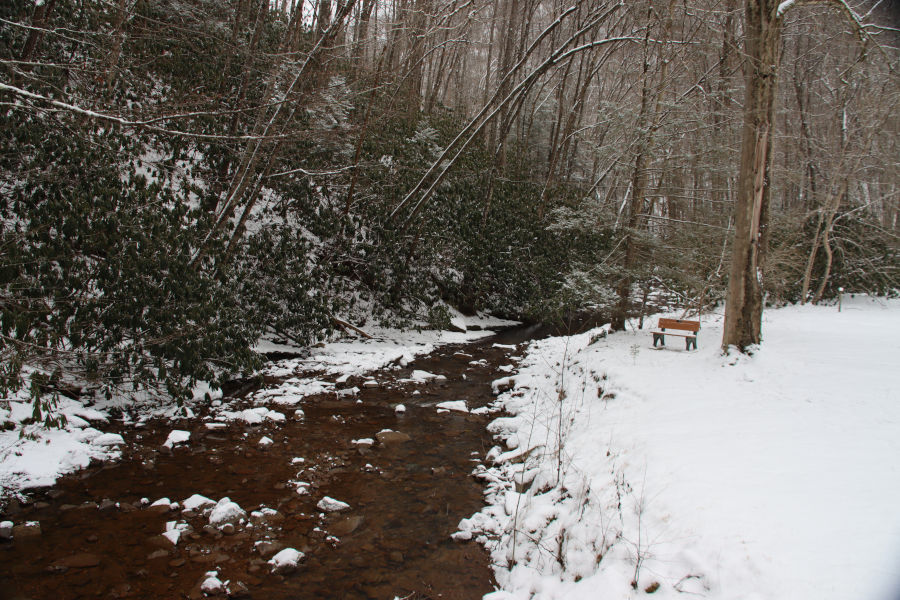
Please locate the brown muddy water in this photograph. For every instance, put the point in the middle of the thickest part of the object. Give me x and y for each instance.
(406, 497)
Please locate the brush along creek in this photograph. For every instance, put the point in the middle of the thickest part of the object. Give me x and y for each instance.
(352, 492)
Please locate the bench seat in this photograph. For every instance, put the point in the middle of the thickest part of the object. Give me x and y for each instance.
(684, 328)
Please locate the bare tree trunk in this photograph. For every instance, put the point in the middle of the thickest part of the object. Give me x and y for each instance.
(115, 52)
(744, 301)
(39, 20)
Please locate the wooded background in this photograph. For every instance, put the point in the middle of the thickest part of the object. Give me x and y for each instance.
(178, 178)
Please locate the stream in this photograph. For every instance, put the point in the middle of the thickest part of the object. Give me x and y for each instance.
(99, 538)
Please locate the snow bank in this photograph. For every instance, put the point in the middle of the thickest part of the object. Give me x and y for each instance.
(772, 476)
(39, 456)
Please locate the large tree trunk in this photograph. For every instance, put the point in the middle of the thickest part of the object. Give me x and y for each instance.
(744, 302)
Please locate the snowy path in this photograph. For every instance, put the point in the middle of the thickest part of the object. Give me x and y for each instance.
(767, 477)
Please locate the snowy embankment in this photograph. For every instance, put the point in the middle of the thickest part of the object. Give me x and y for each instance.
(33, 456)
(630, 470)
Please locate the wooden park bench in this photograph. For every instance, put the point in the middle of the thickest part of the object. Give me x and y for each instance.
(690, 339)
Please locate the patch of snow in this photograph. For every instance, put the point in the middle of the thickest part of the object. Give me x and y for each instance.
(420, 376)
(108, 439)
(202, 391)
(252, 416)
(265, 441)
(456, 405)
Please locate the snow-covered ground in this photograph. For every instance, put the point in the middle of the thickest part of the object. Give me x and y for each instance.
(33, 456)
(772, 476)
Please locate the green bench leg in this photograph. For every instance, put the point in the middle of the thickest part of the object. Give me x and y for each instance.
(688, 342)
(658, 337)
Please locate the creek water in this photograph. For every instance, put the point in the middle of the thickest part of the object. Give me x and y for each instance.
(406, 498)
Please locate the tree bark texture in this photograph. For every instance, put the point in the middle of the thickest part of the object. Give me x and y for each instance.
(744, 301)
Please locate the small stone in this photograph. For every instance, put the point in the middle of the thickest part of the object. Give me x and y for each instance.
(387, 437)
(26, 530)
(161, 541)
(238, 590)
(6, 530)
(346, 526)
(41, 505)
(396, 556)
(127, 507)
(157, 554)
(266, 517)
(268, 548)
(177, 562)
(228, 529)
(83, 560)
(93, 539)
(107, 504)
(123, 590)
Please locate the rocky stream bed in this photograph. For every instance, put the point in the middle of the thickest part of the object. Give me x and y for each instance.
(352, 493)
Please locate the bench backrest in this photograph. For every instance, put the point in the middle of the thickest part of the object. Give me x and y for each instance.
(679, 324)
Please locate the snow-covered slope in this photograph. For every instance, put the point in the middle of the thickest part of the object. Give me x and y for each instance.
(773, 476)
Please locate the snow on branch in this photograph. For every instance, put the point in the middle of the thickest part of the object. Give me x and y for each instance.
(148, 124)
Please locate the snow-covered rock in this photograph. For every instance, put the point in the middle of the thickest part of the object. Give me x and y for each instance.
(328, 504)
(420, 376)
(226, 512)
(252, 416)
(212, 585)
(265, 441)
(197, 503)
(108, 439)
(454, 405)
(389, 436)
(176, 436)
(286, 561)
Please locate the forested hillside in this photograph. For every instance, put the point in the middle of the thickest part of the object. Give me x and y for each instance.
(180, 178)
